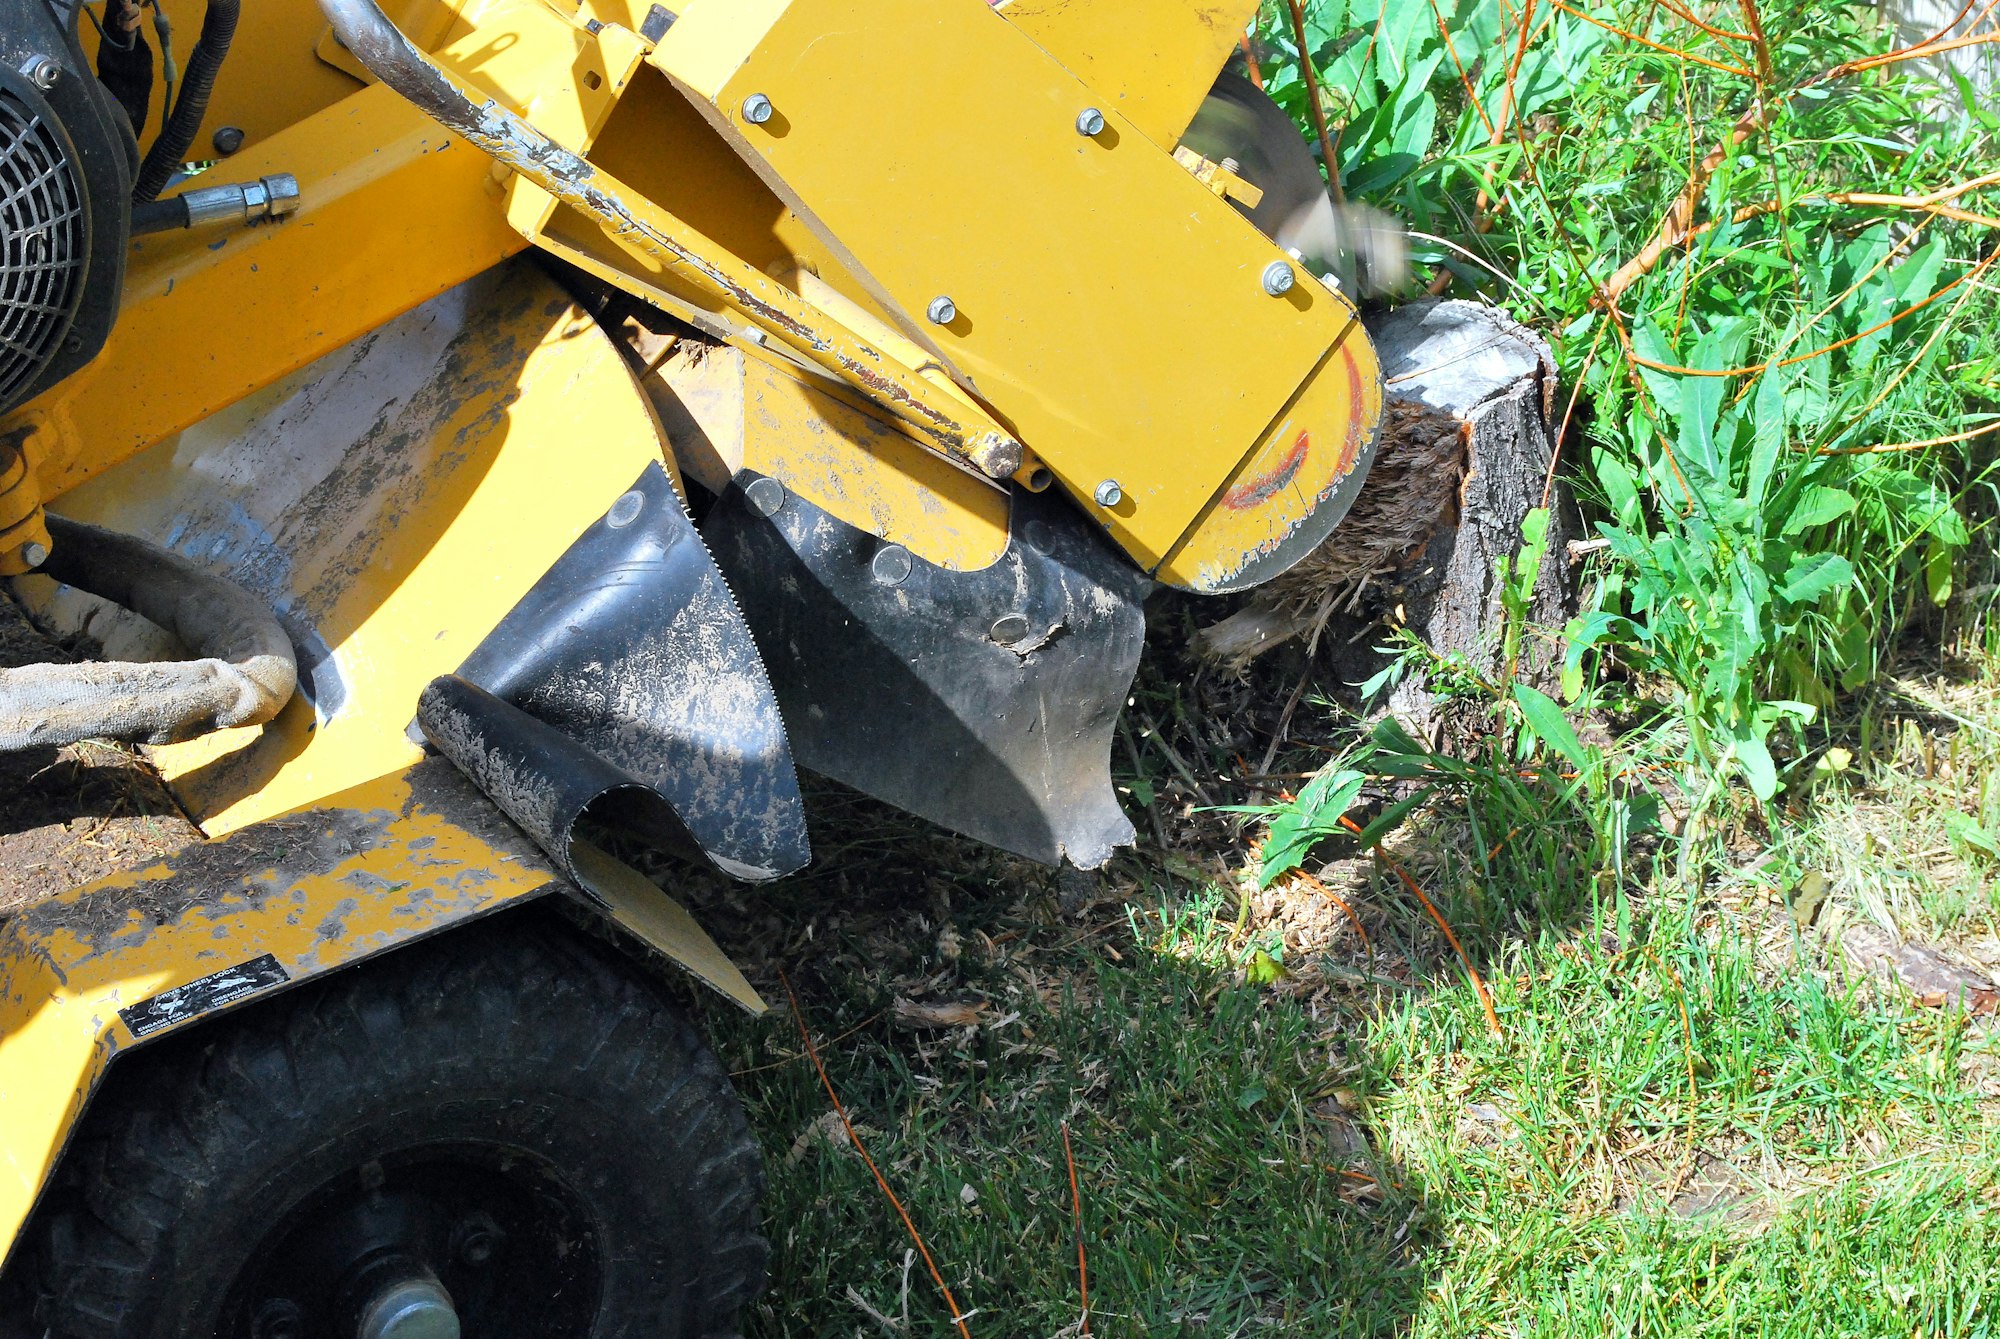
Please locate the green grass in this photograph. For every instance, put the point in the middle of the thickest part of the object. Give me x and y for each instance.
(1668, 1137)
(1694, 1118)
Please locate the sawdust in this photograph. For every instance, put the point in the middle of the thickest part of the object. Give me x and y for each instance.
(74, 814)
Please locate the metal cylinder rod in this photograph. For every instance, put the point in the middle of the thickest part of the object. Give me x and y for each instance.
(633, 219)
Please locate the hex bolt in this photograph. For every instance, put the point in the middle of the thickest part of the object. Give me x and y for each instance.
(942, 311)
(757, 109)
(1109, 494)
(1278, 278)
(42, 71)
(227, 139)
(477, 1239)
(1090, 122)
(34, 554)
(891, 565)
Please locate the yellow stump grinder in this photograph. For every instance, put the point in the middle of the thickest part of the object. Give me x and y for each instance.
(464, 428)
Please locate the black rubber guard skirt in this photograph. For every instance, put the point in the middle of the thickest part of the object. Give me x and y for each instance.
(984, 701)
(626, 684)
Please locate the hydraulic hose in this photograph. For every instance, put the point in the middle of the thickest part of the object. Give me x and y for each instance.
(183, 123)
(243, 674)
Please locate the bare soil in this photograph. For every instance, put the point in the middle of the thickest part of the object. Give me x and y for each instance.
(71, 815)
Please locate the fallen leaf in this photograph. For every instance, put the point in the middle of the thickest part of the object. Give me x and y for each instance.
(943, 1013)
(1932, 979)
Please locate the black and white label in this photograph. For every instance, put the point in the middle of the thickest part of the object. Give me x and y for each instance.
(199, 997)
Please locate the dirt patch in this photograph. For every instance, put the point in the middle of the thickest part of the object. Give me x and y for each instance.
(73, 814)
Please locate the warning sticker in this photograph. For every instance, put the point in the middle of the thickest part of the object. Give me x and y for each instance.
(199, 997)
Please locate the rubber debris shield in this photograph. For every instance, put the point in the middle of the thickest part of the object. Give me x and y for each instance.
(626, 684)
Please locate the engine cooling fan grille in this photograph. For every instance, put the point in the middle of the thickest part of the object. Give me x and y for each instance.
(42, 243)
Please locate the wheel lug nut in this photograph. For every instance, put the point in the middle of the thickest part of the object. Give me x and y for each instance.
(477, 1239)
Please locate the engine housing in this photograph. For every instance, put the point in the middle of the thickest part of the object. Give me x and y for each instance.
(67, 156)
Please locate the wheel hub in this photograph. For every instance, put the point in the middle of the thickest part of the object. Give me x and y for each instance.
(416, 1307)
(429, 1243)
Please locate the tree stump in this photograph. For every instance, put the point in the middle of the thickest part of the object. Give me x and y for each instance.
(1466, 454)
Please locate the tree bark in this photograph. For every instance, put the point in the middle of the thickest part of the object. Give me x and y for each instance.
(1466, 454)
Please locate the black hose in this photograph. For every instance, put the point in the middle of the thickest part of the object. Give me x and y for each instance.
(183, 123)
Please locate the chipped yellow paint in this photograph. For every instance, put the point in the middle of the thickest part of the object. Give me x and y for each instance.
(365, 871)
(1297, 483)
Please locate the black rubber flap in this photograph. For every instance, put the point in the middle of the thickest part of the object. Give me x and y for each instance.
(984, 701)
(626, 683)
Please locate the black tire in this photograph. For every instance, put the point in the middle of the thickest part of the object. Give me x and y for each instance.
(509, 1076)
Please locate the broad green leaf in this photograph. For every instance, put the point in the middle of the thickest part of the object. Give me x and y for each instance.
(1546, 720)
(1937, 572)
(1814, 575)
(1769, 432)
(1755, 760)
(1391, 818)
(1968, 831)
(1818, 505)
(1315, 815)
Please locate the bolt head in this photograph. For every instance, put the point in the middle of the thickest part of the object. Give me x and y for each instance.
(891, 564)
(42, 71)
(477, 1239)
(1090, 122)
(757, 109)
(1109, 494)
(766, 496)
(625, 510)
(942, 311)
(1278, 278)
(227, 139)
(1008, 629)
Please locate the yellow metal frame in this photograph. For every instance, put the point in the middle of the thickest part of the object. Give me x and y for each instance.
(364, 872)
(91, 973)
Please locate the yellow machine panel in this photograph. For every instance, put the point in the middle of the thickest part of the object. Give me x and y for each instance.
(1099, 343)
(392, 501)
(1151, 59)
(723, 411)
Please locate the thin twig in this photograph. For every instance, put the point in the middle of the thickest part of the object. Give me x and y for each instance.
(1885, 323)
(1888, 448)
(957, 1317)
(1312, 98)
(1657, 46)
(1464, 958)
(1076, 1212)
(1250, 61)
